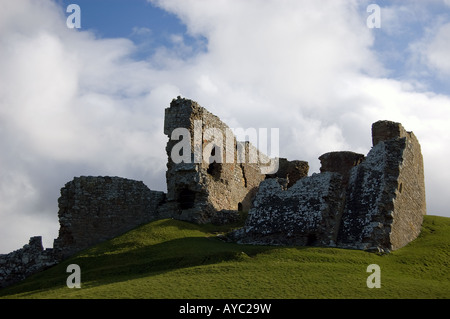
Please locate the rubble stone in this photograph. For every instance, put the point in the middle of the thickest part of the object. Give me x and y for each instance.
(21, 263)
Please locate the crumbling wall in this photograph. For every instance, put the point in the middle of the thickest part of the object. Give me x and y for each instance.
(292, 171)
(372, 202)
(94, 209)
(21, 263)
(219, 176)
(386, 197)
(91, 210)
(375, 202)
(340, 162)
(304, 214)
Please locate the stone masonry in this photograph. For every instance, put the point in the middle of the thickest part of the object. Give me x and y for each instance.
(212, 182)
(386, 195)
(21, 263)
(304, 214)
(95, 209)
(374, 202)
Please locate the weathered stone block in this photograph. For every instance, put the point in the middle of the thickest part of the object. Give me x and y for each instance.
(292, 171)
(340, 162)
(386, 130)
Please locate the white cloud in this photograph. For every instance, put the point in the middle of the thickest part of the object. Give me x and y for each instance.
(72, 104)
(437, 51)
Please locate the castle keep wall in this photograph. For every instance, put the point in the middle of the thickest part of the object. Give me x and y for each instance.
(94, 209)
(373, 202)
(211, 178)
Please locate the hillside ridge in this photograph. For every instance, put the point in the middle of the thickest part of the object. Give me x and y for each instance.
(175, 259)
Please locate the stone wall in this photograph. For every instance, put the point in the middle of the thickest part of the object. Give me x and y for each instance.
(21, 263)
(386, 197)
(292, 171)
(91, 210)
(94, 209)
(340, 162)
(218, 173)
(304, 214)
(375, 202)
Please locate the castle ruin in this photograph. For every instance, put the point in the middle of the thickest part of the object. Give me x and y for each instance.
(374, 202)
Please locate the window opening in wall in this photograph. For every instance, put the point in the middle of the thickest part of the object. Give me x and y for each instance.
(214, 169)
(240, 207)
(186, 199)
(311, 240)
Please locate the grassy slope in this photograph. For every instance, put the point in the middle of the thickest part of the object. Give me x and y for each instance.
(174, 259)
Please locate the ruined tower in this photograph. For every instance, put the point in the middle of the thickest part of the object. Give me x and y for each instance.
(210, 175)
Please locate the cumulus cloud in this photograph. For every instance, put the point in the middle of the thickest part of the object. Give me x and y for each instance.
(437, 50)
(72, 104)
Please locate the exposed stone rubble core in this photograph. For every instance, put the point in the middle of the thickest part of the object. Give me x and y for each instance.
(340, 162)
(26, 261)
(292, 171)
(304, 214)
(374, 203)
(386, 195)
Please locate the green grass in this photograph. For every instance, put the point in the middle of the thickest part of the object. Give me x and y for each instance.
(174, 259)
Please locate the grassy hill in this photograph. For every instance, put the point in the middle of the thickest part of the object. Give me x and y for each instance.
(174, 259)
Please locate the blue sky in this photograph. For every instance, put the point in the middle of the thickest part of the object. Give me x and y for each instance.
(118, 18)
(147, 25)
(91, 101)
(150, 27)
(394, 42)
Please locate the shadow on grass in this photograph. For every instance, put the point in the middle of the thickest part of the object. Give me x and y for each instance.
(133, 263)
(132, 258)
